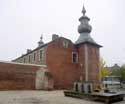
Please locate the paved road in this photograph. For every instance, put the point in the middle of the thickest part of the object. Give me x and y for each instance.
(41, 97)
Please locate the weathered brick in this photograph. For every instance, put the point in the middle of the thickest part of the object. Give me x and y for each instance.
(17, 77)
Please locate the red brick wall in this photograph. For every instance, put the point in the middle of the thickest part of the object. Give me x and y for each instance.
(94, 71)
(93, 62)
(60, 65)
(59, 61)
(17, 77)
(81, 60)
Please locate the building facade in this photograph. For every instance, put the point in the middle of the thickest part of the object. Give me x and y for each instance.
(67, 61)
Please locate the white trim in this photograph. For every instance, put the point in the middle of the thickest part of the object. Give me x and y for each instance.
(34, 54)
(40, 59)
(65, 43)
(24, 59)
(8, 62)
(29, 58)
(86, 63)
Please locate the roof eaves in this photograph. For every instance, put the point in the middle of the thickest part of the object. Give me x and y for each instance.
(89, 43)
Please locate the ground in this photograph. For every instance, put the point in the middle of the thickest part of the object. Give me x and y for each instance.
(41, 97)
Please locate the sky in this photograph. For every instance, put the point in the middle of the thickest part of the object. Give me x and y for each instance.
(23, 21)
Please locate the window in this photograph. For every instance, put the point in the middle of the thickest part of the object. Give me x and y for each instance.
(29, 58)
(34, 56)
(74, 57)
(24, 60)
(65, 44)
(41, 54)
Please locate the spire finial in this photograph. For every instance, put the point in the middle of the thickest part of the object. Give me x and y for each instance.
(84, 28)
(83, 10)
(41, 37)
(40, 43)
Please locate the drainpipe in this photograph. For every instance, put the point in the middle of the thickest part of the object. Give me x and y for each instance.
(86, 63)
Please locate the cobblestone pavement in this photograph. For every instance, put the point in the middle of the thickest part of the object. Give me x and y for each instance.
(41, 97)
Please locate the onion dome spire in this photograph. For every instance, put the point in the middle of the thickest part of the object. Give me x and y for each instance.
(40, 43)
(84, 29)
(84, 26)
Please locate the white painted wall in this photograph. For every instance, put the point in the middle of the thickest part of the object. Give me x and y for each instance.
(40, 79)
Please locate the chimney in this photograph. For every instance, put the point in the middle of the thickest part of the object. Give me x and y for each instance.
(29, 50)
(54, 36)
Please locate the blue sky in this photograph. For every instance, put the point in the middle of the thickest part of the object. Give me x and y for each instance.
(23, 21)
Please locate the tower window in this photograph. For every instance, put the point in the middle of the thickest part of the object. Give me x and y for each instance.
(74, 57)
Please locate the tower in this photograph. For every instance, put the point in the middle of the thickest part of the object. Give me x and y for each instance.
(88, 51)
(40, 43)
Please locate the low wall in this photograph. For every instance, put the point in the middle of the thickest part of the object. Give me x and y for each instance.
(15, 76)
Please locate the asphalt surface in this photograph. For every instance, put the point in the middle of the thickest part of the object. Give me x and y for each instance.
(42, 97)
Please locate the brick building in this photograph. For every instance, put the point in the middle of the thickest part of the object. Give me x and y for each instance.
(67, 61)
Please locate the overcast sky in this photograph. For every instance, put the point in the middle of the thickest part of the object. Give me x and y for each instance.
(23, 21)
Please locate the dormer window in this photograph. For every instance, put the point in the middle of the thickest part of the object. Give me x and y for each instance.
(65, 44)
(74, 57)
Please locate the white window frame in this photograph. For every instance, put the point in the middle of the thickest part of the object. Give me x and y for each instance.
(24, 60)
(29, 58)
(65, 43)
(34, 56)
(41, 57)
